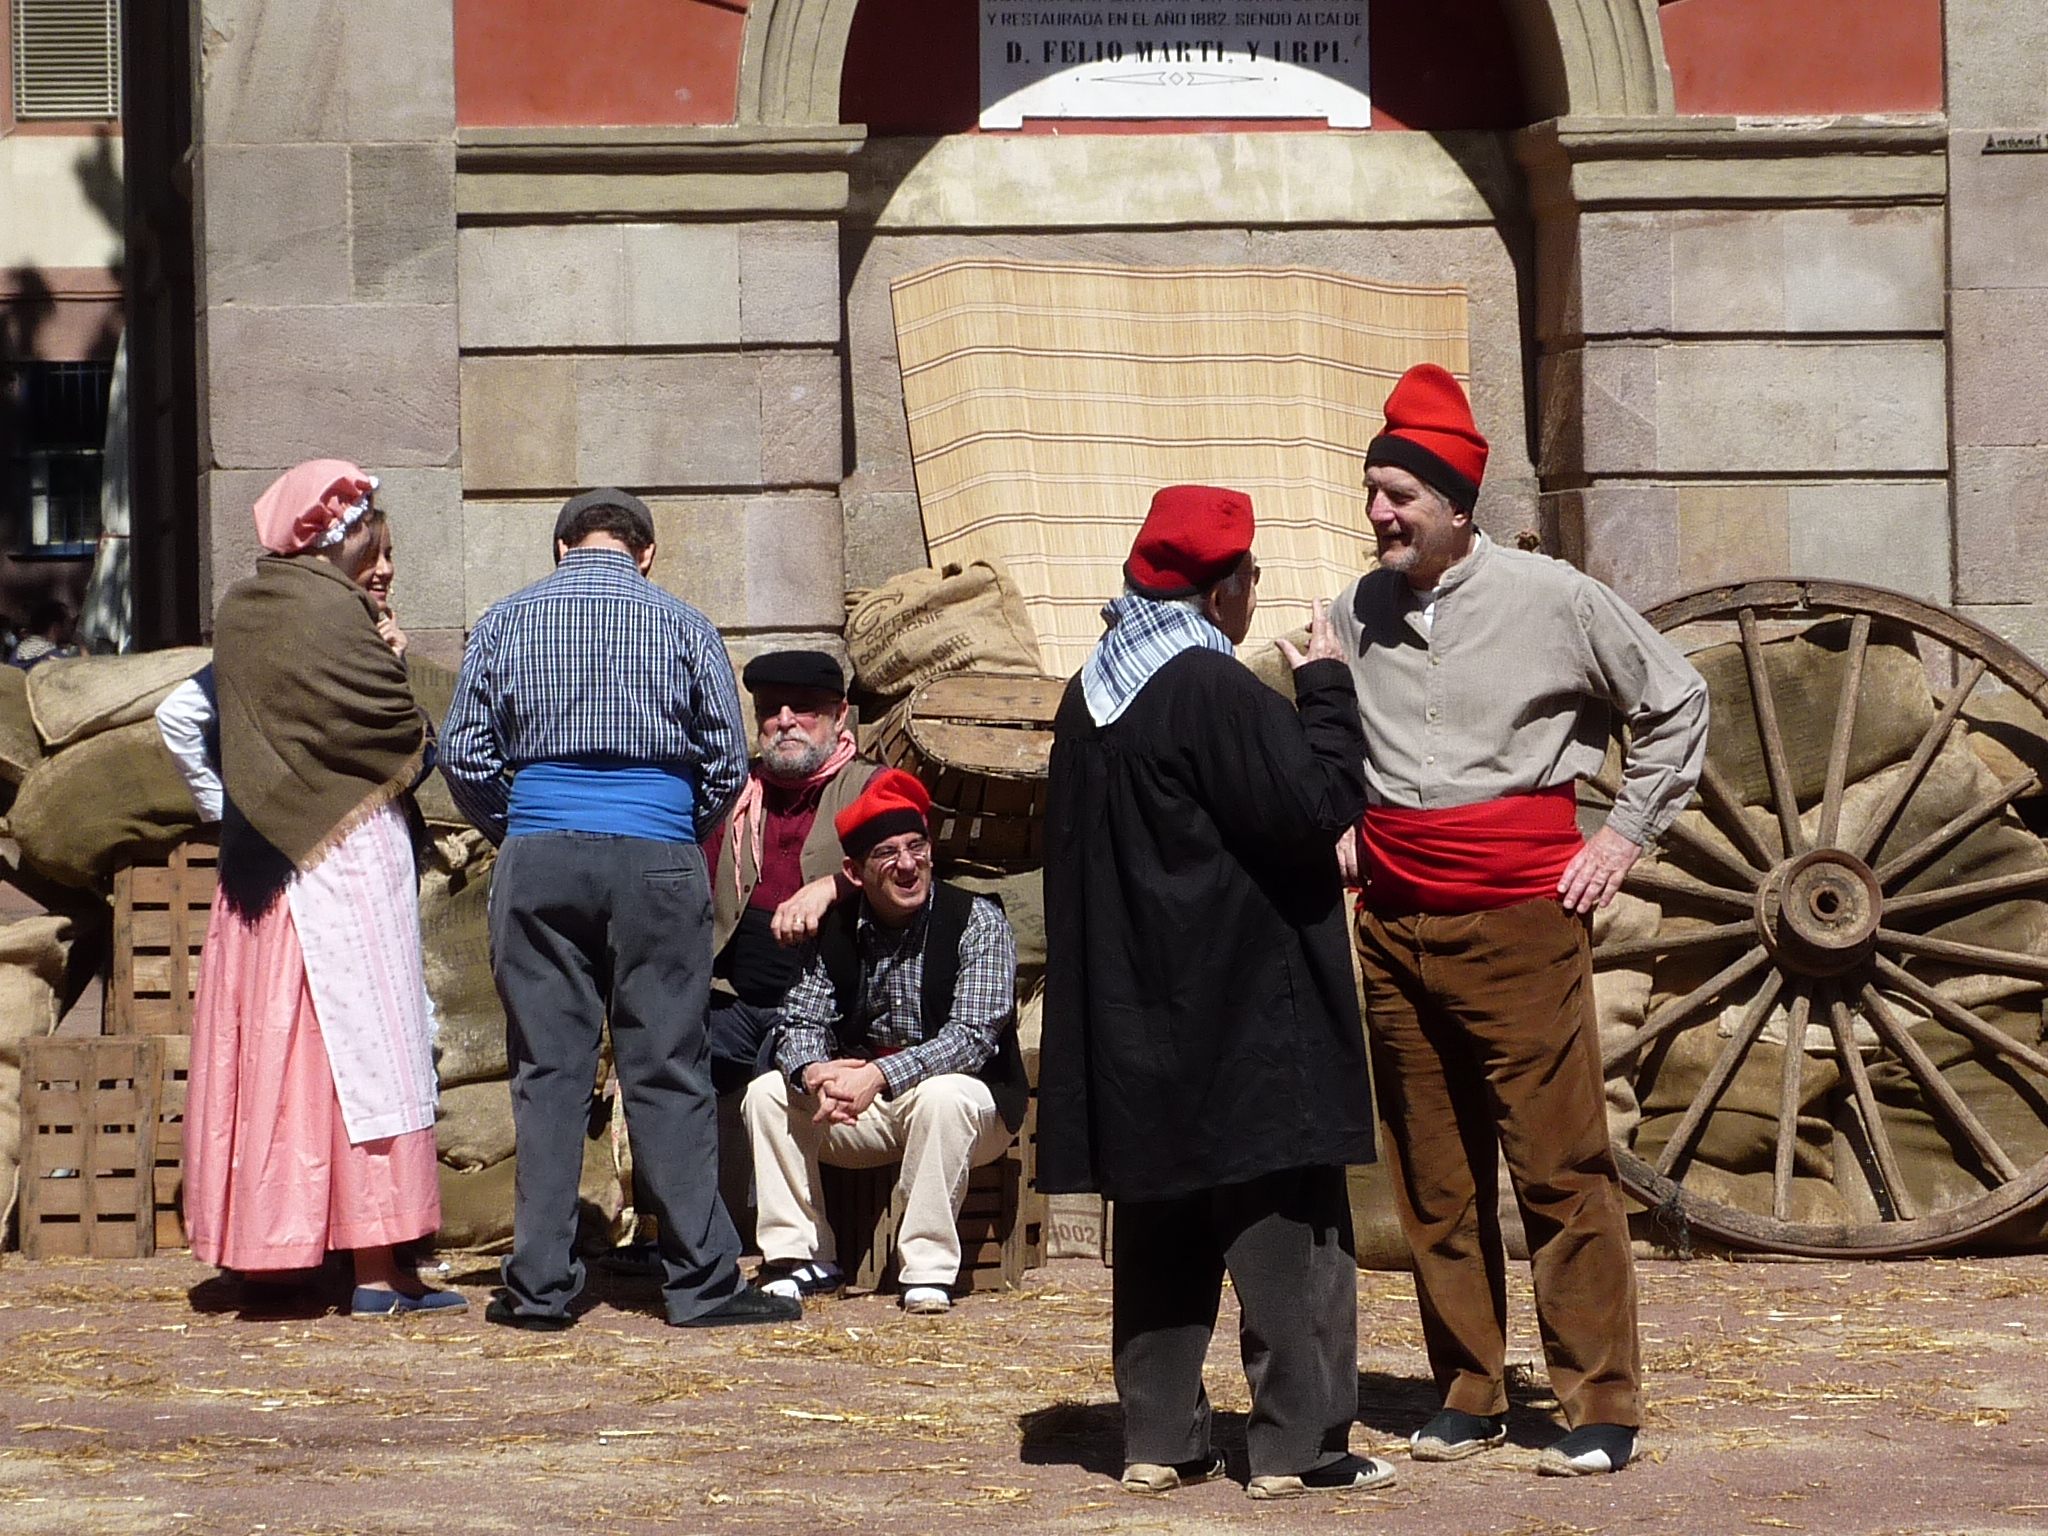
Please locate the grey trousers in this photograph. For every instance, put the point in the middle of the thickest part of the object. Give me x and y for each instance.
(1285, 1240)
(584, 927)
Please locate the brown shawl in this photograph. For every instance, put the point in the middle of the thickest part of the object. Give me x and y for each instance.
(318, 727)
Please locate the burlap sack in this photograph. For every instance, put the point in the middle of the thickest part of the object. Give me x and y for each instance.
(433, 685)
(33, 953)
(113, 795)
(922, 624)
(20, 747)
(476, 1207)
(473, 1126)
(2010, 737)
(80, 696)
(1269, 664)
(1621, 1002)
(455, 935)
(1806, 671)
(1023, 899)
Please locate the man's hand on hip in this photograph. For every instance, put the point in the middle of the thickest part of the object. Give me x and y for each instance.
(1591, 879)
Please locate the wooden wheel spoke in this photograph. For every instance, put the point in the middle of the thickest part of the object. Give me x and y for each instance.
(1681, 1009)
(1677, 943)
(1997, 962)
(1763, 704)
(1959, 1018)
(1678, 832)
(1985, 891)
(1724, 809)
(1679, 1148)
(1954, 830)
(1938, 1089)
(1845, 731)
(1874, 1132)
(1872, 837)
(1790, 1076)
(1653, 880)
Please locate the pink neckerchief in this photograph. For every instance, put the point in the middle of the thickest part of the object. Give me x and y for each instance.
(749, 824)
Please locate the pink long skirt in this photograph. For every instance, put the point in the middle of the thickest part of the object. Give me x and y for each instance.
(272, 1181)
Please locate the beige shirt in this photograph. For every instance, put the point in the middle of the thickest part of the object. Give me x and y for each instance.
(1513, 688)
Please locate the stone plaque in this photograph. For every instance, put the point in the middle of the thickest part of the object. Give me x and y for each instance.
(1278, 58)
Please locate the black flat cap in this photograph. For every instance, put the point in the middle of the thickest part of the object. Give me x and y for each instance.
(795, 669)
(607, 496)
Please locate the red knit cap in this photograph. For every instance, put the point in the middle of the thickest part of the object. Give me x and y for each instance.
(893, 803)
(1431, 434)
(1194, 536)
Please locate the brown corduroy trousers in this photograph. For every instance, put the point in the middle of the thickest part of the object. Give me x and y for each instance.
(1484, 1041)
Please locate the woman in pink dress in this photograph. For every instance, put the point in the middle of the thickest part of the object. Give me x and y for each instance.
(310, 1121)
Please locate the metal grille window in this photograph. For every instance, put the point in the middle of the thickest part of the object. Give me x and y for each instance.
(53, 421)
(67, 58)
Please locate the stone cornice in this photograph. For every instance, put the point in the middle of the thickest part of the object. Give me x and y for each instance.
(1585, 163)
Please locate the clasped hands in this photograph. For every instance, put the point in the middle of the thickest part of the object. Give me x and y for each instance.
(844, 1088)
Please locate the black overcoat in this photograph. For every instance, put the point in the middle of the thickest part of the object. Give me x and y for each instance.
(1201, 1021)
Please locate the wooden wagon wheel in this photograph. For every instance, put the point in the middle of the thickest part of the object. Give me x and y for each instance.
(1826, 928)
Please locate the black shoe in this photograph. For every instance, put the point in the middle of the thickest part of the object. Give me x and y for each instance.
(502, 1312)
(1588, 1451)
(1452, 1436)
(747, 1306)
(1347, 1473)
(636, 1261)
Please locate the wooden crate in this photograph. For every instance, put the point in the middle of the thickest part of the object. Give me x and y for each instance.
(89, 1130)
(169, 1160)
(160, 916)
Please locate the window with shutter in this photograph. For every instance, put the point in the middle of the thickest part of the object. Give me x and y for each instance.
(67, 58)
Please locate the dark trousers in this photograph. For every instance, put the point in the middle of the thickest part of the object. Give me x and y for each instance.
(741, 1041)
(1285, 1240)
(586, 927)
(1484, 1043)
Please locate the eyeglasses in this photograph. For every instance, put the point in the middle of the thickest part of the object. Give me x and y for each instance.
(917, 850)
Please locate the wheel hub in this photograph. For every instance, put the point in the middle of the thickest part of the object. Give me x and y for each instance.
(1819, 913)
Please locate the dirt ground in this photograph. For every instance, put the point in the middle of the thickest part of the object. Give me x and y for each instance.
(1829, 1397)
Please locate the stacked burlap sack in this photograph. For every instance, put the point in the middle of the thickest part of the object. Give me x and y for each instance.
(1736, 1152)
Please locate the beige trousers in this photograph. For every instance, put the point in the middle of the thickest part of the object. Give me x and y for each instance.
(940, 1129)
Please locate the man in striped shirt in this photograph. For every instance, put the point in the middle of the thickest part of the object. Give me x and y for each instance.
(596, 735)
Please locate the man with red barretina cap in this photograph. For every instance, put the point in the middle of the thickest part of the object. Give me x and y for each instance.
(1202, 1062)
(899, 1040)
(1489, 680)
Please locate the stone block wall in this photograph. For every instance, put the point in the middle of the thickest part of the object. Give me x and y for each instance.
(324, 201)
(1743, 364)
(623, 323)
(1998, 263)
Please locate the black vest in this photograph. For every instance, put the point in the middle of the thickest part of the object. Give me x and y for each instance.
(840, 953)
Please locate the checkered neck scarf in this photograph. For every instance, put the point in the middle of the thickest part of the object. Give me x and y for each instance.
(1144, 634)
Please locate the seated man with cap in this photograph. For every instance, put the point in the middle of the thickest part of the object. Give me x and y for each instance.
(899, 1040)
(776, 860)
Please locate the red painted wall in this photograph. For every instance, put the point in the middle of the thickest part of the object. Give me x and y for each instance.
(597, 62)
(913, 66)
(1804, 56)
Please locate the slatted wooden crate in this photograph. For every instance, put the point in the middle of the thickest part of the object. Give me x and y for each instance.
(169, 1160)
(89, 1131)
(160, 915)
(980, 742)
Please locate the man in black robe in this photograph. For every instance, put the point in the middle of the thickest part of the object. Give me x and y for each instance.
(1203, 1064)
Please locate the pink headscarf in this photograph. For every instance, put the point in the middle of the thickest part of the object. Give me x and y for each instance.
(312, 506)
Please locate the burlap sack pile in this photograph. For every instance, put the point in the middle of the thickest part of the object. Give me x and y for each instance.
(33, 952)
(1736, 1151)
(922, 624)
(97, 786)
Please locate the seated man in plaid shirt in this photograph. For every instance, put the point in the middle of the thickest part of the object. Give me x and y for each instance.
(899, 1040)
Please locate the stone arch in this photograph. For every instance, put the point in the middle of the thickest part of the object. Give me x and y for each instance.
(1581, 58)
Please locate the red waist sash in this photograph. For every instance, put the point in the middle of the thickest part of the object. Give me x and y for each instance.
(1470, 858)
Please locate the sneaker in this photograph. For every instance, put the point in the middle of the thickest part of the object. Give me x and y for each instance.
(745, 1307)
(1588, 1451)
(1164, 1477)
(368, 1302)
(1452, 1436)
(927, 1300)
(793, 1281)
(1349, 1473)
(505, 1315)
